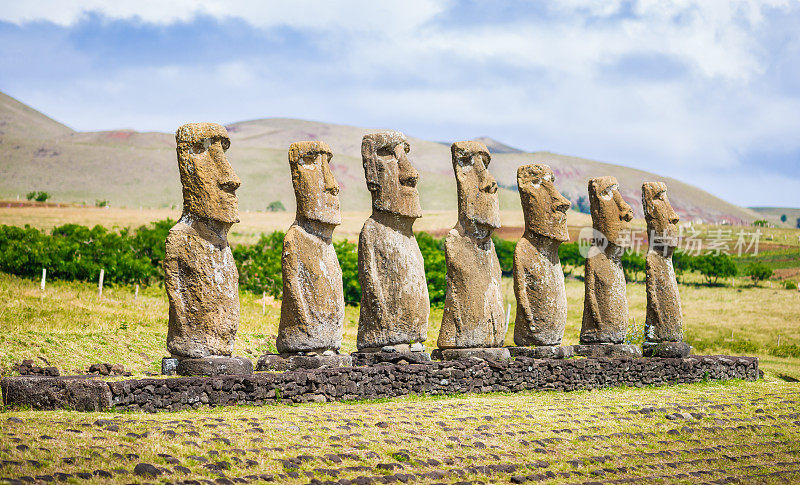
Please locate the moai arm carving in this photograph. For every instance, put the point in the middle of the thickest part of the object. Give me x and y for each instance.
(520, 286)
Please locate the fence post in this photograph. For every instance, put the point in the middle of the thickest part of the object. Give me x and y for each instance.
(100, 283)
(264, 303)
(136, 292)
(508, 313)
(44, 278)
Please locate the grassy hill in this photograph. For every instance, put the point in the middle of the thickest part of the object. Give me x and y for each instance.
(134, 169)
(774, 214)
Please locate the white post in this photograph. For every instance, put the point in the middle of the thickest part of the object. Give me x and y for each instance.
(508, 313)
(779, 341)
(136, 292)
(44, 278)
(100, 283)
(264, 303)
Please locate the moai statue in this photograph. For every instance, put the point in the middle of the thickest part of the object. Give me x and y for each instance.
(663, 329)
(393, 321)
(538, 277)
(605, 305)
(201, 278)
(312, 310)
(473, 323)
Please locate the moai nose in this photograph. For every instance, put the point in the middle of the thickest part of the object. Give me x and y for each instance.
(330, 181)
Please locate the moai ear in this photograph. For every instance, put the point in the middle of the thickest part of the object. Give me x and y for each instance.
(368, 155)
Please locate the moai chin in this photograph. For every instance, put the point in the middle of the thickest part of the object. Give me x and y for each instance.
(605, 306)
(394, 291)
(201, 279)
(312, 311)
(538, 277)
(663, 321)
(473, 310)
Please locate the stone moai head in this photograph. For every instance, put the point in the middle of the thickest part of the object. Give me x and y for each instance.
(477, 189)
(315, 187)
(662, 221)
(391, 179)
(610, 214)
(544, 208)
(209, 182)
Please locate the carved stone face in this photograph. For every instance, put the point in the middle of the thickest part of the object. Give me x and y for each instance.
(544, 208)
(662, 221)
(209, 182)
(391, 179)
(315, 187)
(610, 214)
(477, 189)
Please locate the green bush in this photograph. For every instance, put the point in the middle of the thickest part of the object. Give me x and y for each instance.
(39, 196)
(432, 250)
(790, 285)
(570, 256)
(347, 253)
(259, 265)
(633, 263)
(276, 206)
(505, 254)
(759, 272)
(786, 350)
(715, 266)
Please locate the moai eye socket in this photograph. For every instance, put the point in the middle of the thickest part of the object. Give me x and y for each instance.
(226, 143)
(608, 193)
(386, 151)
(200, 146)
(465, 161)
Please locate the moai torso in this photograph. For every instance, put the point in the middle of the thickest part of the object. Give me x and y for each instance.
(312, 310)
(605, 305)
(663, 322)
(541, 296)
(538, 277)
(201, 279)
(473, 307)
(394, 290)
(203, 290)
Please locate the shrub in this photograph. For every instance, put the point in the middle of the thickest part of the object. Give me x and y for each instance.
(570, 256)
(347, 253)
(790, 285)
(783, 217)
(633, 263)
(276, 206)
(715, 266)
(259, 265)
(39, 196)
(786, 350)
(432, 250)
(505, 254)
(761, 223)
(758, 272)
(101, 203)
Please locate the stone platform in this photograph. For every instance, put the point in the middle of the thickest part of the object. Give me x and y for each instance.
(375, 382)
(666, 349)
(543, 351)
(289, 362)
(608, 350)
(376, 358)
(484, 353)
(207, 366)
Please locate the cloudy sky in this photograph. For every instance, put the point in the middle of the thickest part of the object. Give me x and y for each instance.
(706, 91)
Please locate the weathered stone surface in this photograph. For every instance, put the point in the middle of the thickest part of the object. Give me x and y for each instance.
(287, 362)
(215, 366)
(608, 350)
(169, 366)
(385, 381)
(666, 349)
(201, 279)
(543, 351)
(485, 353)
(473, 309)
(605, 305)
(394, 291)
(663, 322)
(373, 358)
(538, 277)
(79, 394)
(312, 311)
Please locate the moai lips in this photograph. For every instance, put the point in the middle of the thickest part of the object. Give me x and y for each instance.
(605, 307)
(201, 277)
(538, 277)
(312, 311)
(473, 312)
(663, 321)
(394, 292)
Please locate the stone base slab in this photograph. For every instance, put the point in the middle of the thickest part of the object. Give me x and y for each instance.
(544, 351)
(169, 366)
(618, 351)
(214, 366)
(288, 362)
(488, 353)
(666, 349)
(375, 358)
(371, 382)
